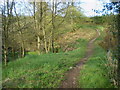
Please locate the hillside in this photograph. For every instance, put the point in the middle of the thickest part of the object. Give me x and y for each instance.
(48, 70)
(59, 44)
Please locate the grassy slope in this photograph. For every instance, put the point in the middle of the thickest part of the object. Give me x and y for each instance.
(94, 73)
(45, 70)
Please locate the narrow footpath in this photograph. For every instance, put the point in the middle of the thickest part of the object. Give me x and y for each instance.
(72, 75)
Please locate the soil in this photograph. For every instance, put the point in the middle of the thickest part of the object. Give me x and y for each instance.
(73, 74)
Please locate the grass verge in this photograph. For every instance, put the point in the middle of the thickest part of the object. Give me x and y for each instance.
(94, 73)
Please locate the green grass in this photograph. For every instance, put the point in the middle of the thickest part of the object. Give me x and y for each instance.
(47, 70)
(94, 74)
(32, 53)
(41, 71)
(102, 33)
(88, 26)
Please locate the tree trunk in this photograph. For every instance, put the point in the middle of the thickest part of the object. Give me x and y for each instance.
(38, 42)
(40, 26)
(49, 46)
(53, 46)
(23, 50)
(72, 4)
(5, 55)
(45, 40)
(20, 55)
(6, 21)
(44, 32)
(13, 52)
(53, 25)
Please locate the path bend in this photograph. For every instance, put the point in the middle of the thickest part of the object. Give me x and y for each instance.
(73, 74)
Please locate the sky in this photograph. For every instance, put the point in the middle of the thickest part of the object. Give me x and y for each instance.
(88, 6)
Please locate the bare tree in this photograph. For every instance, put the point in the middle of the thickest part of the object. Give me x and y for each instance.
(6, 21)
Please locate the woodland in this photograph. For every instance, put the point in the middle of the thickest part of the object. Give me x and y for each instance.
(55, 45)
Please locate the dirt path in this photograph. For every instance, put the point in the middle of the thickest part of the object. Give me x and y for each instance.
(72, 75)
